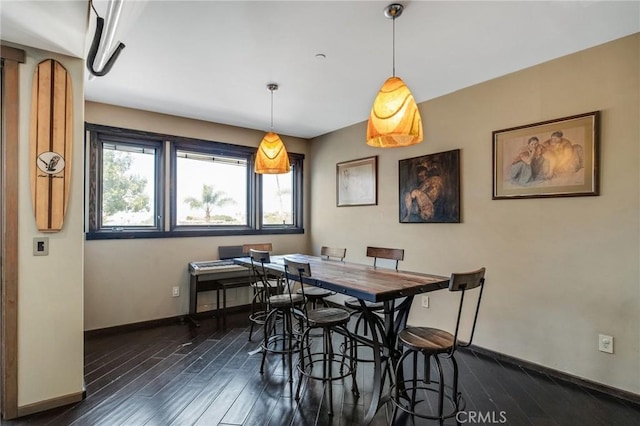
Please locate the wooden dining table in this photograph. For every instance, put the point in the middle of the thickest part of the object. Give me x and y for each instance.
(394, 288)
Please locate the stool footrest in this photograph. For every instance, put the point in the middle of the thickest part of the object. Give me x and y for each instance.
(279, 344)
(317, 359)
(451, 408)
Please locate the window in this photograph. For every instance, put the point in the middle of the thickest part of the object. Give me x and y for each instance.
(277, 199)
(210, 188)
(125, 183)
(128, 186)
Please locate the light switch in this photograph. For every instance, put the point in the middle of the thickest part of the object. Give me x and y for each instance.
(41, 246)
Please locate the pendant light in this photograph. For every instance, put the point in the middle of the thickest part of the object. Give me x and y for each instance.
(394, 120)
(272, 157)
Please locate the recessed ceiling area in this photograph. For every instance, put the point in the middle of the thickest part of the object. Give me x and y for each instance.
(211, 60)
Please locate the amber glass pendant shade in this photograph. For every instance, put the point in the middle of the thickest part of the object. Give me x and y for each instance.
(272, 157)
(394, 120)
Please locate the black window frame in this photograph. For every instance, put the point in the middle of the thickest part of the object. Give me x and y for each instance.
(99, 137)
(297, 196)
(166, 181)
(213, 149)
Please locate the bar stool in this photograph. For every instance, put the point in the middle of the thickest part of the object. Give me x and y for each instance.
(329, 320)
(282, 308)
(317, 295)
(263, 286)
(435, 344)
(393, 254)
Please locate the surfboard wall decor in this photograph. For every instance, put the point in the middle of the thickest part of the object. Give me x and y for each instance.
(51, 143)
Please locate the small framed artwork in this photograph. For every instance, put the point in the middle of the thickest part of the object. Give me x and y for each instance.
(430, 188)
(556, 158)
(357, 182)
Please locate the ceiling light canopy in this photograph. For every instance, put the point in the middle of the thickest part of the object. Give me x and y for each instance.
(395, 119)
(272, 156)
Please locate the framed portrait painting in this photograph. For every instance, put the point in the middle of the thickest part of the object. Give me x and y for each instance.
(556, 158)
(357, 182)
(430, 188)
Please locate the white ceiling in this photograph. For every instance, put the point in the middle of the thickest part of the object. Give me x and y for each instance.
(212, 60)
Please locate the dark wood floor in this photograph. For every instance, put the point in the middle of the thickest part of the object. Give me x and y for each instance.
(180, 375)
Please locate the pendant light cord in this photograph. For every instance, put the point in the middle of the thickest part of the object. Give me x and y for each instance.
(271, 110)
(272, 87)
(394, 45)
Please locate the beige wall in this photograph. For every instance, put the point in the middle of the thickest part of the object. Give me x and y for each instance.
(559, 271)
(128, 281)
(50, 323)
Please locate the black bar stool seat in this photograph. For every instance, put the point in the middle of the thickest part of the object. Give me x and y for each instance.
(315, 295)
(426, 340)
(279, 301)
(326, 317)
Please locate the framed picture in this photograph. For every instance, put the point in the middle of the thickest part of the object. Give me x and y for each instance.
(556, 158)
(357, 182)
(430, 188)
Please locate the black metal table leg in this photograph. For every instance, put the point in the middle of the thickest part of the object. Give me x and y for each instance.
(395, 319)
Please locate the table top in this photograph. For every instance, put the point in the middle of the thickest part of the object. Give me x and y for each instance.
(360, 281)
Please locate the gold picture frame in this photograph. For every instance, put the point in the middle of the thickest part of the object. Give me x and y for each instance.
(555, 158)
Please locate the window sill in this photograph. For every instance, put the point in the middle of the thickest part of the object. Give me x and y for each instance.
(127, 235)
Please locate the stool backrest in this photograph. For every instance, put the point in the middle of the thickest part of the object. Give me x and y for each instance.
(462, 282)
(333, 253)
(256, 246)
(259, 256)
(294, 271)
(258, 271)
(385, 253)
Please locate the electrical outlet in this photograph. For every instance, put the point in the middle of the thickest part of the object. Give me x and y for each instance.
(605, 343)
(176, 291)
(425, 301)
